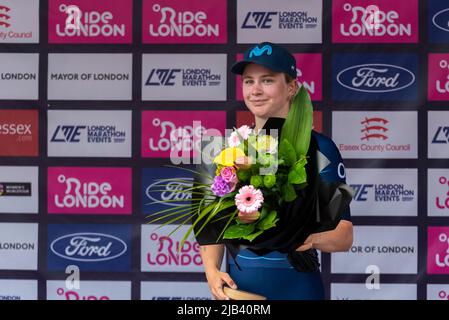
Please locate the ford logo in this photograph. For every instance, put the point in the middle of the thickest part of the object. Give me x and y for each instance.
(88, 247)
(376, 77)
(441, 20)
(172, 190)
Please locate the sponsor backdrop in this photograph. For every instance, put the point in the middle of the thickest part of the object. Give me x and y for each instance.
(94, 97)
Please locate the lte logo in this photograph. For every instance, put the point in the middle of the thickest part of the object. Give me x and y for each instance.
(4, 17)
(258, 20)
(374, 128)
(73, 20)
(162, 77)
(442, 135)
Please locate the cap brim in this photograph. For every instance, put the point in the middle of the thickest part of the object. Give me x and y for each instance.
(239, 66)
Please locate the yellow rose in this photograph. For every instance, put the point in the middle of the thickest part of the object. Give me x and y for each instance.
(227, 156)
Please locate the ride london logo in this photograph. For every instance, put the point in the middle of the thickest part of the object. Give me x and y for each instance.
(76, 190)
(378, 21)
(155, 193)
(175, 134)
(376, 135)
(438, 192)
(19, 21)
(160, 250)
(438, 83)
(373, 77)
(194, 21)
(438, 250)
(84, 21)
(89, 290)
(98, 247)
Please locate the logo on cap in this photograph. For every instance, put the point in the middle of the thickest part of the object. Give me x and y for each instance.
(256, 51)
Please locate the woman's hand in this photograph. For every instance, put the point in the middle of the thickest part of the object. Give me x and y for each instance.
(308, 243)
(216, 279)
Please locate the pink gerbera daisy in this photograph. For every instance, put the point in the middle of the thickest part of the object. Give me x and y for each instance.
(248, 199)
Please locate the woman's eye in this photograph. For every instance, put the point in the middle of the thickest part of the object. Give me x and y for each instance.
(268, 80)
(248, 82)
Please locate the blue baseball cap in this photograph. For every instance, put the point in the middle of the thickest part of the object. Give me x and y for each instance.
(269, 55)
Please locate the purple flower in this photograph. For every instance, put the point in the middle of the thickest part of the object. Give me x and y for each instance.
(220, 187)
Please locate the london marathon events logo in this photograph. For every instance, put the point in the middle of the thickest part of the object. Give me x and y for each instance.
(188, 77)
(90, 247)
(438, 77)
(194, 21)
(89, 133)
(438, 250)
(296, 20)
(281, 21)
(383, 192)
(83, 21)
(375, 77)
(184, 77)
(378, 21)
(155, 193)
(75, 190)
(98, 134)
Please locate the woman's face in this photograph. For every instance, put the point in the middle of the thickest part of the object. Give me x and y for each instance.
(266, 93)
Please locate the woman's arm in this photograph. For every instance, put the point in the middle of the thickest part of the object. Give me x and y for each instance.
(339, 239)
(212, 256)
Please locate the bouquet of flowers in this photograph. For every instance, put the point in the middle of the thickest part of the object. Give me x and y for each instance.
(255, 175)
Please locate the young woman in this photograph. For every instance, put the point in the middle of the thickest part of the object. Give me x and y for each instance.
(269, 84)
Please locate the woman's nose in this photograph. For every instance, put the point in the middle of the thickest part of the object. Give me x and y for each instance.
(256, 89)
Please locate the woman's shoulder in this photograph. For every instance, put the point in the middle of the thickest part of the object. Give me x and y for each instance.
(324, 142)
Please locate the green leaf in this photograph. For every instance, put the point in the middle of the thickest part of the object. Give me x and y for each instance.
(297, 127)
(297, 176)
(268, 222)
(287, 152)
(263, 213)
(252, 236)
(288, 192)
(238, 231)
